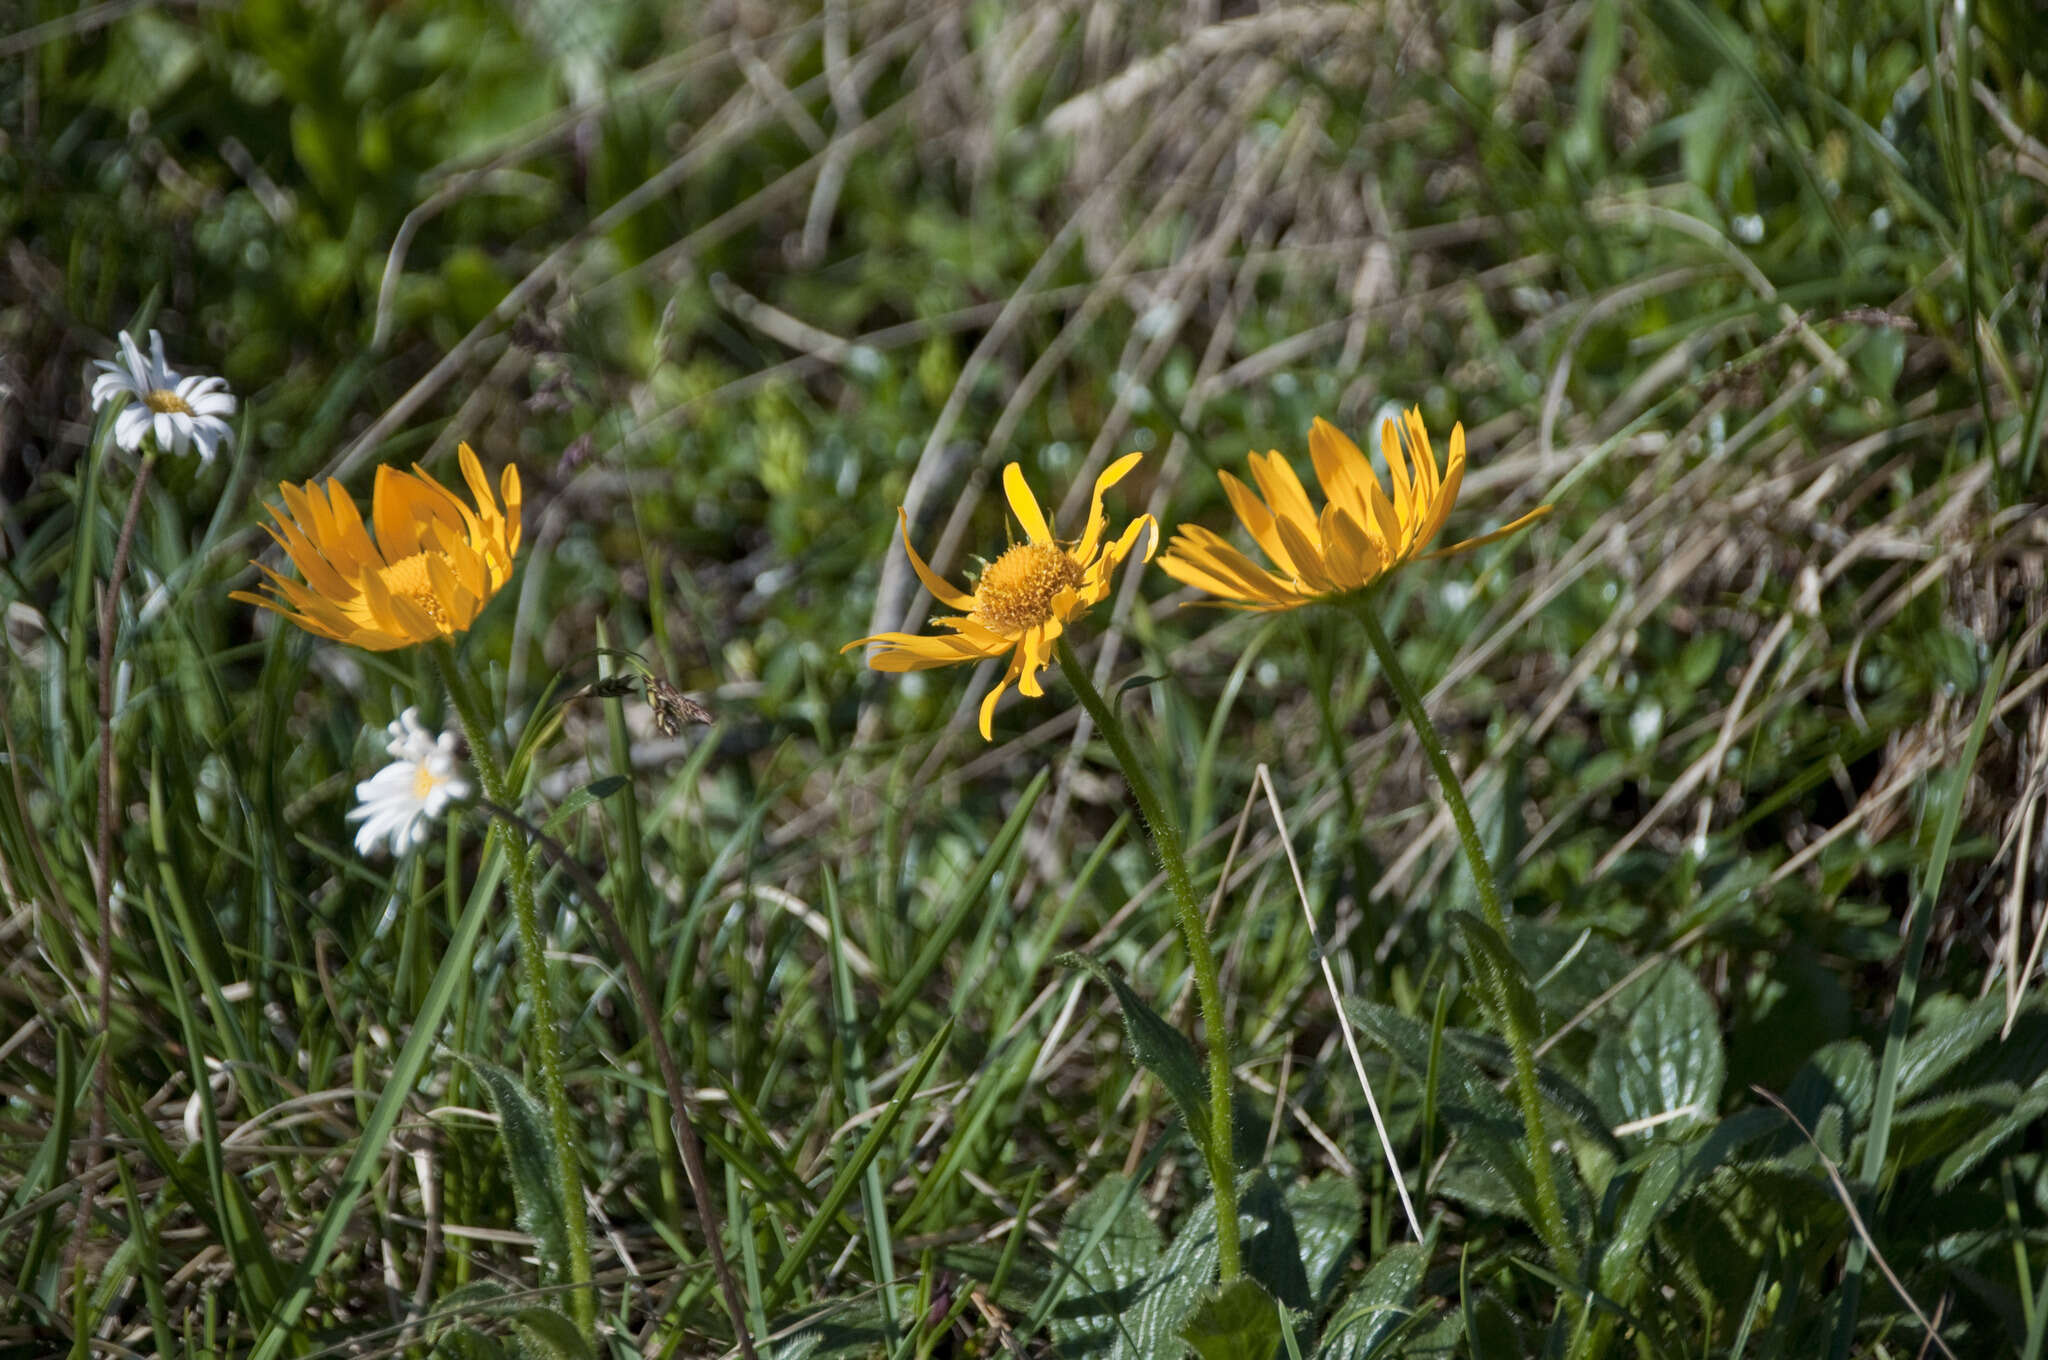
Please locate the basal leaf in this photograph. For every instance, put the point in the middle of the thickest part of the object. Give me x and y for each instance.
(1326, 1213)
(1466, 1097)
(529, 1151)
(1239, 1321)
(1379, 1308)
(1272, 1247)
(1111, 1246)
(1651, 1184)
(544, 1334)
(466, 1343)
(855, 1327)
(1665, 1062)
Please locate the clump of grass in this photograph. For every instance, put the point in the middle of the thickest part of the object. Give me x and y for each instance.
(1750, 727)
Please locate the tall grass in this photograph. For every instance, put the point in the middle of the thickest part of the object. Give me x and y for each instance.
(1752, 726)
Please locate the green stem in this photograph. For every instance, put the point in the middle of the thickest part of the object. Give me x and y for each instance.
(1549, 1206)
(1195, 931)
(534, 969)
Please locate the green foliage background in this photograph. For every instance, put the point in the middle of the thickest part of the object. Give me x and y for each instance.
(1752, 292)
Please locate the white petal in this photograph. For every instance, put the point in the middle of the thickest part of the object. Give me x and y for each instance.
(160, 373)
(130, 427)
(133, 358)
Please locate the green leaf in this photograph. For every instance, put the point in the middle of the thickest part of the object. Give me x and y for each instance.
(1652, 1183)
(2028, 1113)
(1564, 1094)
(1466, 1096)
(1490, 1172)
(1379, 1308)
(1500, 973)
(1135, 682)
(1151, 1303)
(1272, 1248)
(1667, 1057)
(466, 1343)
(1239, 1321)
(1159, 1048)
(536, 1179)
(544, 1334)
(1111, 1246)
(1326, 1215)
(1842, 1074)
(1950, 1047)
(856, 1327)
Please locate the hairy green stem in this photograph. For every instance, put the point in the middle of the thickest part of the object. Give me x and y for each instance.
(534, 968)
(1521, 1044)
(1166, 844)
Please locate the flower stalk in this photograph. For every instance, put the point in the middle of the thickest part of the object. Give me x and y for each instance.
(539, 994)
(103, 948)
(1521, 1044)
(1166, 845)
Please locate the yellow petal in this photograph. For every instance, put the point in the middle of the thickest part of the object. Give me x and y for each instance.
(461, 605)
(941, 590)
(308, 559)
(391, 510)
(509, 492)
(1391, 440)
(917, 651)
(1346, 550)
(1024, 506)
(1091, 536)
(988, 704)
(1428, 480)
(1256, 518)
(1447, 495)
(1208, 563)
(1515, 527)
(352, 545)
(1283, 493)
(1034, 649)
(1339, 467)
(479, 485)
(1307, 557)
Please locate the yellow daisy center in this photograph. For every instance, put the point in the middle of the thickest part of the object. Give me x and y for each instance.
(409, 577)
(165, 402)
(1017, 590)
(423, 781)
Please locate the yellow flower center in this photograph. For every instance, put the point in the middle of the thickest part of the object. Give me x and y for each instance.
(409, 577)
(1017, 590)
(165, 402)
(423, 781)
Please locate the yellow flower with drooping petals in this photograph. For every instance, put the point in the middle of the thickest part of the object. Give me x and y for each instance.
(434, 564)
(1362, 533)
(1024, 599)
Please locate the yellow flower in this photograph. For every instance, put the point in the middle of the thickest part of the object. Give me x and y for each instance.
(1024, 599)
(434, 565)
(1361, 534)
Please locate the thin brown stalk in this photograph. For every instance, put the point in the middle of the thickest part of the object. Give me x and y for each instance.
(664, 1058)
(103, 862)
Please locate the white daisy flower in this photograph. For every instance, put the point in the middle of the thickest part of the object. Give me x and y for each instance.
(402, 800)
(175, 411)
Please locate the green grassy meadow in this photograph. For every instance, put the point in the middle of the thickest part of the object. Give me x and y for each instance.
(1753, 725)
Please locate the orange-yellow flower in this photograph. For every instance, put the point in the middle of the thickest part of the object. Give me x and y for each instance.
(1024, 599)
(434, 564)
(1362, 533)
